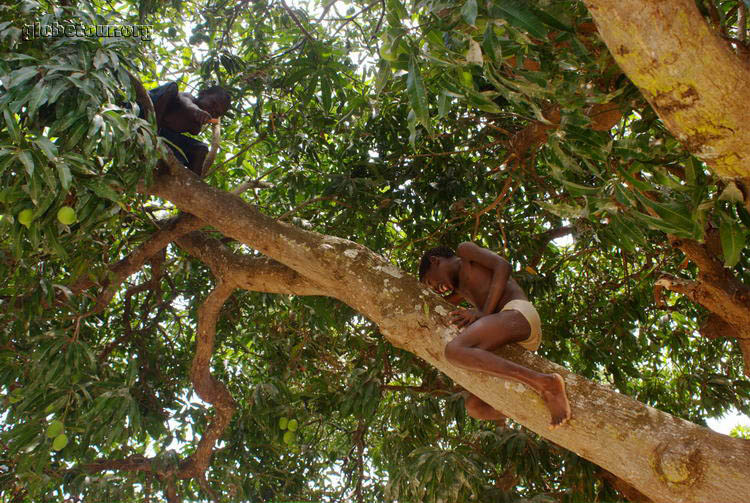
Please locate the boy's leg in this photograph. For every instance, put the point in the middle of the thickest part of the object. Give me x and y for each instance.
(479, 409)
(176, 143)
(471, 349)
(196, 155)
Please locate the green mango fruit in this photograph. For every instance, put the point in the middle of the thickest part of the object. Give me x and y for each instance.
(55, 428)
(66, 215)
(60, 442)
(25, 217)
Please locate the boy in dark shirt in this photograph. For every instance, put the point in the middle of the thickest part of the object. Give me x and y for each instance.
(178, 113)
(503, 315)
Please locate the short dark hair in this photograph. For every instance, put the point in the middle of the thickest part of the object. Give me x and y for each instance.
(219, 93)
(424, 264)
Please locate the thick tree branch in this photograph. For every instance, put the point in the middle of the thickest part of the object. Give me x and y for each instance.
(208, 388)
(687, 72)
(630, 493)
(664, 457)
(258, 274)
(717, 290)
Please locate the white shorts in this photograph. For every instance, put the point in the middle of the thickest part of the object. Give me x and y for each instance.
(529, 312)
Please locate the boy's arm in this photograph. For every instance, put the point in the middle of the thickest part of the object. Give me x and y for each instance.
(500, 272)
(162, 97)
(199, 115)
(454, 298)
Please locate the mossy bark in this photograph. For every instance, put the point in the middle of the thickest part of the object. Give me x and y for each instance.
(687, 72)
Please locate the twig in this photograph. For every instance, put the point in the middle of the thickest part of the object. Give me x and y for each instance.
(380, 20)
(297, 21)
(305, 203)
(353, 16)
(742, 22)
(244, 149)
(132, 263)
(209, 160)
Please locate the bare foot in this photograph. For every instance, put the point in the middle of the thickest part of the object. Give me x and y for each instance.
(557, 401)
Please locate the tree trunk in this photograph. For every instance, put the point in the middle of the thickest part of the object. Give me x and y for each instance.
(664, 457)
(687, 72)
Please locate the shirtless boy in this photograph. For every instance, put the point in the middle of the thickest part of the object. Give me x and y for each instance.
(503, 315)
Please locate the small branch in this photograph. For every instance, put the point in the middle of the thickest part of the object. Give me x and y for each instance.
(251, 184)
(142, 96)
(244, 149)
(742, 22)
(303, 204)
(380, 20)
(354, 16)
(297, 21)
(211, 156)
(134, 261)
(745, 348)
(131, 464)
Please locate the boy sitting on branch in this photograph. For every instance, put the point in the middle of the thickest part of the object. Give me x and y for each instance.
(502, 315)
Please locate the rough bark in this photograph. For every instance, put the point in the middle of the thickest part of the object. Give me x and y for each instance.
(259, 274)
(686, 71)
(207, 387)
(664, 457)
(716, 289)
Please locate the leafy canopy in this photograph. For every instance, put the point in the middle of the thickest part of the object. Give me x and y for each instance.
(399, 126)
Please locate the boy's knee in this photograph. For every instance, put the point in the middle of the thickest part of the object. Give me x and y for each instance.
(453, 351)
(473, 405)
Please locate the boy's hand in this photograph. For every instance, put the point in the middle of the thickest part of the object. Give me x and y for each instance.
(463, 317)
(201, 116)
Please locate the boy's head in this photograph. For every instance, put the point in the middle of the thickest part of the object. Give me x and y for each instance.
(437, 269)
(214, 100)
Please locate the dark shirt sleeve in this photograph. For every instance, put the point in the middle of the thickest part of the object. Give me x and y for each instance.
(163, 97)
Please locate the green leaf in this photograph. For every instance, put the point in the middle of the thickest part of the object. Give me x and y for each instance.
(381, 79)
(46, 146)
(63, 173)
(521, 15)
(103, 190)
(21, 75)
(732, 240)
(37, 97)
(443, 104)
(626, 233)
(25, 157)
(674, 215)
(417, 94)
(325, 92)
(469, 11)
(490, 43)
(13, 130)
